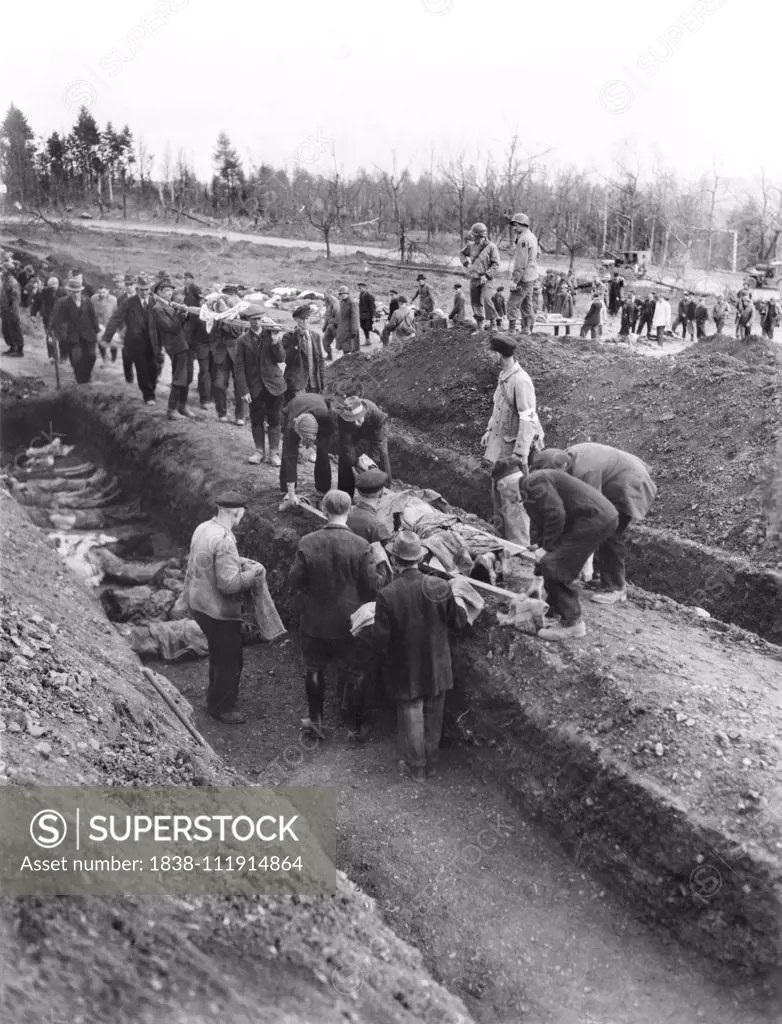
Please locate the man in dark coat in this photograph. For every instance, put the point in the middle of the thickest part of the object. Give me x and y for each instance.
(170, 326)
(367, 311)
(303, 356)
(682, 315)
(701, 318)
(141, 343)
(222, 359)
(43, 306)
(362, 431)
(570, 520)
(76, 324)
(10, 306)
(500, 304)
(615, 293)
(646, 315)
(393, 304)
(456, 316)
(347, 322)
(260, 380)
(334, 574)
(363, 518)
(307, 420)
(627, 483)
(412, 617)
(425, 296)
(629, 311)
(199, 340)
(330, 323)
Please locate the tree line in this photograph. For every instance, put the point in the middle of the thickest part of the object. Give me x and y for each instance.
(708, 222)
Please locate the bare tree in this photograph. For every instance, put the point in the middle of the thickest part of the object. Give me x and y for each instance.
(395, 186)
(460, 185)
(325, 204)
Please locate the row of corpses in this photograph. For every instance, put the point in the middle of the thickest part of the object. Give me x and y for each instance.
(99, 537)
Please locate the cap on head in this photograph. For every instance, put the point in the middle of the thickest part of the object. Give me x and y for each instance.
(362, 284)
(521, 219)
(254, 312)
(302, 312)
(75, 284)
(421, 277)
(551, 458)
(336, 503)
(392, 291)
(408, 547)
(506, 467)
(53, 282)
(164, 282)
(402, 299)
(306, 426)
(503, 344)
(371, 481)
(343, 290)
(230, 499)
(353, 409)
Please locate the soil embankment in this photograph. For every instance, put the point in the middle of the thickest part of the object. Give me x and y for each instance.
(616, 743)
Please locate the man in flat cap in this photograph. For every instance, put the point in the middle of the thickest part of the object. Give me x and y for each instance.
(308, 421)
(75, 323)
(523, 275)
(303, 356)
(363, 518)
(259, 364)
(367, 311)
(334, 574)
(362, 432)
(141, 344)
(513, 430)
(170, 324)
(215, 580)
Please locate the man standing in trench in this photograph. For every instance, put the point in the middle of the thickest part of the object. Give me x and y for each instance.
(215, 580)
(627, 483)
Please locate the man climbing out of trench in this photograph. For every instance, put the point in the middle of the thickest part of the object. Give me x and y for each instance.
(622, 478)
(570, 520)
(513, 431)
(215, 580)
(334, 574)
(362, 432)
(307, 420)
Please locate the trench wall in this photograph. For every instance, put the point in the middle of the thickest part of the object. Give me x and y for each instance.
(639, 839)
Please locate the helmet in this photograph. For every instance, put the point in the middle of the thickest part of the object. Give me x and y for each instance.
(521, 219)
(479, 229)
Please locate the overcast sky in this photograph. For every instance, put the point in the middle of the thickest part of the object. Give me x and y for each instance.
(291, 81)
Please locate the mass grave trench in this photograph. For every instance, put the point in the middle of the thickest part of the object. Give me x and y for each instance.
(642, 839)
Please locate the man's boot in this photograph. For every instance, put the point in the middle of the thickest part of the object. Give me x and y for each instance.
(478, 326)
(259, 441)
(274, 446)
(314, 684)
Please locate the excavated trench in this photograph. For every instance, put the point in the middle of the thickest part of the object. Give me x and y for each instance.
(637, 836)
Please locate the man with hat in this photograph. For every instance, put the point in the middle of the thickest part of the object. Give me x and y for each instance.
(43, 304)
(412, 616)
(500, 305)
(141, 344)
(456, 315)
(626, 482)
(482, 259)
(367, 310)
(348, 323)
(260, 380)
(362, 431)
(199, 339)
(400, 326)
(334, 573)
(170, 325)
(105, 304)
(524, 273)
(76, 325)
(303, 356)
(10, 305)
(425, 296)
(225, 334)
(215, 580)
(513, 430)
(307, 420)
(571, 520)
(363, 518)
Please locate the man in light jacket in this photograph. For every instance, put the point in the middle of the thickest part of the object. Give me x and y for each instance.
(523, 274)
(348, 323)
(215, 580)
(627, 483)
(512, 430)
(661, 319)
(482, 259)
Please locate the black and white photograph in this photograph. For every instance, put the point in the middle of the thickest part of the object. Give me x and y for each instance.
(391, 490)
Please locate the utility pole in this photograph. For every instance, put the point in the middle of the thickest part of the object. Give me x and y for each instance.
(605, 224)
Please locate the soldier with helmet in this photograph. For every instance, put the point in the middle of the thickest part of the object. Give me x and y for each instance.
(482, 258)
(524, 274)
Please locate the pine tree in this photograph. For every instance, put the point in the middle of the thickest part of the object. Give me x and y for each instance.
(229, 176)
(17, 153)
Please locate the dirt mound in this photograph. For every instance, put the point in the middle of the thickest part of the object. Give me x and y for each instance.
(706, 421)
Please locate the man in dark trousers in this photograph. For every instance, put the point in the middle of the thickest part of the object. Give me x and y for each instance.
(627, 483)
(363, 518)
(456, 316)
(307, 420)
(141, 343)
(215, 580)
(334, 574)
(330, 323)
(682, 315)
(646, 315)
(482, 260)
(425, 296)
(362, 432)
(43, 305)
(367, 309)
(170, 325)
(393, 304)
(199, 340)
(570, 520)
(412, 617)
(259, 364)
(76, 325)
(10, 306)
(616, 289)
(303, 356)
(500, 305)
(701, 318)
(223, 355)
